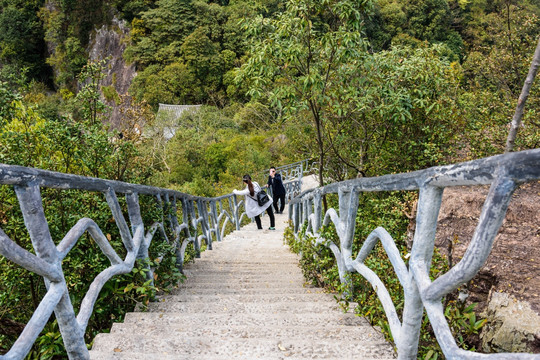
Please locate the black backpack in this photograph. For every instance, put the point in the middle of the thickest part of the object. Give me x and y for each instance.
(262, 198)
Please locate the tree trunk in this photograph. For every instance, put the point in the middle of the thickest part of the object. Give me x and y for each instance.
(317, 120)
(516, 120)
(321, 180)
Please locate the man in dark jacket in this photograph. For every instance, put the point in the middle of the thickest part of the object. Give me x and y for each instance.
(278, 190)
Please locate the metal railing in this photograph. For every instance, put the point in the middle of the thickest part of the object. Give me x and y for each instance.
(504, 173)
(201, 221)
(292, 171)
(293, 188)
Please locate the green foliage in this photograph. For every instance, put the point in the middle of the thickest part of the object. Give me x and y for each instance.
(254, 115)
(185, 48)
(174, 84)
(129, 9)
(88, 98)
(22, 42)
(140, 288)
(412, 22)
(295, 54)
(82, 147)
(502, 45)
(201, 55)
(110, 93)
(7, 98)
(401, 118)
(209, 152)
(428, 19)
(165, 26)
(51, 345)
(464, 321)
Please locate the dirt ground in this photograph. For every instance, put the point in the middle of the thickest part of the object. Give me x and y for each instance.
(514, 263)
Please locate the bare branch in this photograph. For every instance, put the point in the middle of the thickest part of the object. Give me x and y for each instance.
(516, 120)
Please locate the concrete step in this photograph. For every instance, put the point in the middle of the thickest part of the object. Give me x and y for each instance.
(263, 282)
(230, 348)
(256, 298)
(242, 266)
(240, 287)
(245, 241)
(246, 291)
(243, 262)
(327, 332)
(244, 277)
(254, 269)
(277, 254)
(238, 309)
(200, 274)
(124, 355)
(235, 254)
(202, 319)
(229, 245)
(240, 263)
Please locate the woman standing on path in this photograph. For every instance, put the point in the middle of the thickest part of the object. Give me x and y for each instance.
(253, 210)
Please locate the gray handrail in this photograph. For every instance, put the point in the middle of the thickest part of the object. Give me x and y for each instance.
(503, 172)
(198, 213)
(294, 170)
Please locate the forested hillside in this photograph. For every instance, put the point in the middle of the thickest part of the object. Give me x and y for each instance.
(364, 87)
(367, 87)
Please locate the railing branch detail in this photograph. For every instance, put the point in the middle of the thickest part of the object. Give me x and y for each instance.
(201, 220)
(503, 172)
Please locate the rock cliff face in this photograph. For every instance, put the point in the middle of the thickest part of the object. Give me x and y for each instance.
(51, 7)
(507, 288)
(109, 42)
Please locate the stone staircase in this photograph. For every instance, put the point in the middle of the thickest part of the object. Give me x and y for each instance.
(246, 299)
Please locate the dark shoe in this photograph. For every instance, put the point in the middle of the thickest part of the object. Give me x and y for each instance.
(271, 228)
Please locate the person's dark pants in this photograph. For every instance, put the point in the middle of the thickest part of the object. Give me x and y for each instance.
(270, 214)
(282, 205)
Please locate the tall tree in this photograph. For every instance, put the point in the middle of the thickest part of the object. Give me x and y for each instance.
(298, 59)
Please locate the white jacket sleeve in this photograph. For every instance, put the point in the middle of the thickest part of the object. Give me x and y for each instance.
(241, 192)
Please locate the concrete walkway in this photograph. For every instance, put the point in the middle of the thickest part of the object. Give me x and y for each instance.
(246, 299)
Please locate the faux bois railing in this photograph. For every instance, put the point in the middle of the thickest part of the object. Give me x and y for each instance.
(504, 173)
(202, 219)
